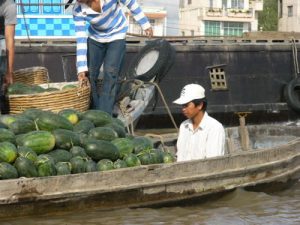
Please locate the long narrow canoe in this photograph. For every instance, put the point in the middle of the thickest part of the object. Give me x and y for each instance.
(272, 155)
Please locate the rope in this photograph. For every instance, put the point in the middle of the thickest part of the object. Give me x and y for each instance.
(124, 113)
(165, 103)
(295, 57)
(123, 109)
(26, 25)
(123, 106)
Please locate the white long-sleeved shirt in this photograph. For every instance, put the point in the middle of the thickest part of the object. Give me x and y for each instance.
(207, 140)
(107, 26)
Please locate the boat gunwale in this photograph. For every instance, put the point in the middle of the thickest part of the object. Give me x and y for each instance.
(288, 150)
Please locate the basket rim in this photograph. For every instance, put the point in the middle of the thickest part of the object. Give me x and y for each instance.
(83, 88)
(33, 68)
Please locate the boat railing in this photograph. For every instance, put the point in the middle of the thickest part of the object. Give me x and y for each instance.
(176, 40)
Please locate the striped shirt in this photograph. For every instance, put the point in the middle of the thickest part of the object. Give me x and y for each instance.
(107, 26)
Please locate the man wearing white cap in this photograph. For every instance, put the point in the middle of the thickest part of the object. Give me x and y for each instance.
(200, 136)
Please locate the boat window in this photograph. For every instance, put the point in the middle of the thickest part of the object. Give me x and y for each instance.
(217, 78)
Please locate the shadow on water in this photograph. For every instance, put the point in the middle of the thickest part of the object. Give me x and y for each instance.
(275, 187)
(193, 201)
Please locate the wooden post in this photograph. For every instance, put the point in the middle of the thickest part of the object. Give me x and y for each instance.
(243, 131)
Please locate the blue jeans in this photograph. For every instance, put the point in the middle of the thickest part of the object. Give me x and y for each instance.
(111, 55)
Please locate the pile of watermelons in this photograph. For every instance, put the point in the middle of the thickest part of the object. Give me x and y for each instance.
(40, 143)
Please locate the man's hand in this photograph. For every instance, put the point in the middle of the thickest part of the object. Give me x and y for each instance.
(82, 78)
(8, 79)
(149, 32)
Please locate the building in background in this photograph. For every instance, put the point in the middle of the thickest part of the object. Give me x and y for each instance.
(157, 17)
(289, 15)
(46, 19)
(218, 17)
(172, 9)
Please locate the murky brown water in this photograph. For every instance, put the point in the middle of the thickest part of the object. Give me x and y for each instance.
(236, 208)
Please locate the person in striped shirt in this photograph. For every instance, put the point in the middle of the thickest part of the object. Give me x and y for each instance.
(104, 43)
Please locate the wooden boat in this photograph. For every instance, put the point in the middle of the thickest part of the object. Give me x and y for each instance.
(224, 66)
(270, 155)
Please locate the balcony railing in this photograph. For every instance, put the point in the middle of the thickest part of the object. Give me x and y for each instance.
(214, 12)
(238, 13)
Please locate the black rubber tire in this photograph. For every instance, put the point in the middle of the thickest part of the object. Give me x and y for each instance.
(160, 45)
(169, 64)
(292, 94)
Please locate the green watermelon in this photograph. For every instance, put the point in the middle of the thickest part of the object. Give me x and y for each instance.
(132, 160)
(25, 167)
(8, 171)
(8, 152)
(119, 163)
(70, 114)
(105, 164)
(90, 166)
(78, 164)
(78, 151)
(83, 126)
(39, 141)
(145, 157)
(141, 143)
(63, 168)
(98, 117)
(60, 155)
(7, 135)
(27, 152)
(103, 133)
(168, 157)
(124, 145)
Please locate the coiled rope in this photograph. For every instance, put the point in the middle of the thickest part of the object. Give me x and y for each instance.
(295, 58)
(124, 112)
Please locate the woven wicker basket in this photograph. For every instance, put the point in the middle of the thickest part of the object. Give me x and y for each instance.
(32, 75)
(74, 98)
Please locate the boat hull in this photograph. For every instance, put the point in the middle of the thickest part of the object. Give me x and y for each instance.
(158, 184)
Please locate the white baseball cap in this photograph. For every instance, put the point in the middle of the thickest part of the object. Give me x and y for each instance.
(189, 93)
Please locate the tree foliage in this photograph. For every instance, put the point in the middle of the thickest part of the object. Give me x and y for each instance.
(268, 18)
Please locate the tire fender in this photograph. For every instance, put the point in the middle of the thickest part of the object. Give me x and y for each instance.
(162, 48)
(292, 94)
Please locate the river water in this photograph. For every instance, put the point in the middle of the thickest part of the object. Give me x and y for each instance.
(239, 207)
